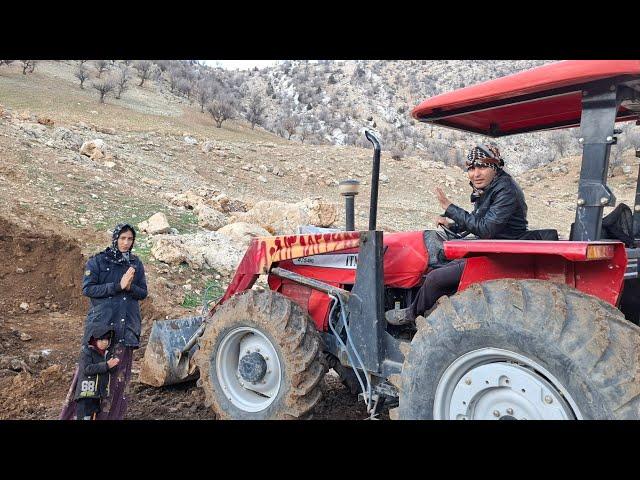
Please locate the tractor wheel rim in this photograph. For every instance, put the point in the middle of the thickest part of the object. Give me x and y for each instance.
(497, 384)
(248, 396)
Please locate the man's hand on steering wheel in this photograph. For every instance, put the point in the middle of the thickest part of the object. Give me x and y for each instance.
(444, 222)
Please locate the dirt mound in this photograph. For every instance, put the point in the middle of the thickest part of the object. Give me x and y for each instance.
(39, 271)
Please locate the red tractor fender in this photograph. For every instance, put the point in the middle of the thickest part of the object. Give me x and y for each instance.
(595, 268)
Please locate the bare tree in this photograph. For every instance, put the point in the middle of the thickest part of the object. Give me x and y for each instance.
(104, 86)
(561, 142)
(203, 93)
(185, 87)
(305, 130)
(290, 123)
(121, 80)
(174, 78)
(82, 74)
(28, 65)
(221, 109)
(144, 70)
(101, 66)
(255, 110)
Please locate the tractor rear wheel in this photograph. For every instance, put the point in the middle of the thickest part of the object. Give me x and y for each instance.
(522, 349)
(259, 358)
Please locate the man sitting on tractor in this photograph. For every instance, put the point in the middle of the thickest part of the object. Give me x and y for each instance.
(499, 212)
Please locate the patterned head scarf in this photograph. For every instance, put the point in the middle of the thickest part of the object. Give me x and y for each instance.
(113, 251)
(485, 156)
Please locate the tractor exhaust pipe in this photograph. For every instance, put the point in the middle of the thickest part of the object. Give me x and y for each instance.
(375, 175)
(349, 189)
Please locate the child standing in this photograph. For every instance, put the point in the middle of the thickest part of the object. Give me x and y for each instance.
(93, 373)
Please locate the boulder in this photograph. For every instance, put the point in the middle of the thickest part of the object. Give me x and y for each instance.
(25, 115)
(51, 374)
(93, 149)
(320, 214)
(188, 199)
(210, 218)
(208, 146)
(45, 121)
(242, 233)
(284, 218)
(198, 250)
(106, 130)
(155, 224)
(67, 136)
(34, 130)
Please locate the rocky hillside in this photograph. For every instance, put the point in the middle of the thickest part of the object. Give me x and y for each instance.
(72, 167)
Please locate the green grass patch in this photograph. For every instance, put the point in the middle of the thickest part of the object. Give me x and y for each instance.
(212, 289)
(142, 248)
(186, 222)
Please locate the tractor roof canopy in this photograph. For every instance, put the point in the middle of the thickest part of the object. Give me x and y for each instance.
(542, 98)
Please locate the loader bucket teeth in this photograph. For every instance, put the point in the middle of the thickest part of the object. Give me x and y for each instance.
(394, 413)
(162, 363)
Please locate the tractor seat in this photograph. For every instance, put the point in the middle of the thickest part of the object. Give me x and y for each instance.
(544, 234)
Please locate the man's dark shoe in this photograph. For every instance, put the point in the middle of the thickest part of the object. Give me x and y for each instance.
(400, 316)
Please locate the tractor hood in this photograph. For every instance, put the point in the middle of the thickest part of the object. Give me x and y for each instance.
(542, 98)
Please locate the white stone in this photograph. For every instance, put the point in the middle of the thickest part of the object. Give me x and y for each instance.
(24, 306)
(242, 232)
(93, 149)
(190, 140)
(210, 218)
(284, 218)
(198, 250)
(155, 224)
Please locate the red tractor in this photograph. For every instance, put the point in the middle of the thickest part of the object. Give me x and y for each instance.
(538, 329)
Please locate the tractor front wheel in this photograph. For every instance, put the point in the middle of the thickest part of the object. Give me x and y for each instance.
(259, 358)
(522, 349)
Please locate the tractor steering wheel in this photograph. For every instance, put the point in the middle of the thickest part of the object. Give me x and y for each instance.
(450, 234)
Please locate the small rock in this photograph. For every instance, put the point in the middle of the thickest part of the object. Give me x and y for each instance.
(626, 169)
(24, 306)
(190, 140)
(19, 270)
(18, 365)
(262, 179)
(25, 337)
(34, 358)
(109, 164)
(45, 121)
(107, 130)
(51, 374)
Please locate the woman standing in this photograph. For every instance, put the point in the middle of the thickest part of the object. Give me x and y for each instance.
(115, 282)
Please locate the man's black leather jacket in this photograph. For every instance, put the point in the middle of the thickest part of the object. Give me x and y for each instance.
(500, 212)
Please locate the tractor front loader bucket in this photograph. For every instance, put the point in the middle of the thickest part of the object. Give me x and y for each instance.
(165, 360)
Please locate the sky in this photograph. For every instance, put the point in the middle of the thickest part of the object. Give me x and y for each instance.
(241, 64)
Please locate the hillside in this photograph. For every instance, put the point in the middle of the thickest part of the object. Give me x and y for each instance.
(157, 145)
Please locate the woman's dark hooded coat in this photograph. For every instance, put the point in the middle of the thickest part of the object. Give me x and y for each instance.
(110, 305)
